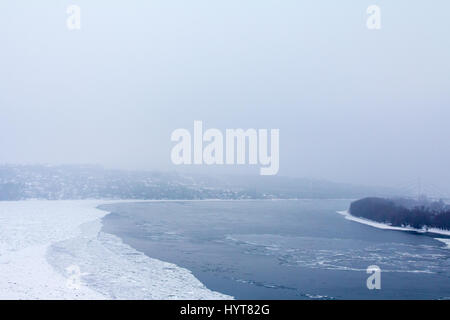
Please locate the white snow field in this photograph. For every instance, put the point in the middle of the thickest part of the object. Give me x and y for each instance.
(56, 250)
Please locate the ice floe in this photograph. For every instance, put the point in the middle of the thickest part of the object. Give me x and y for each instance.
(43, 242)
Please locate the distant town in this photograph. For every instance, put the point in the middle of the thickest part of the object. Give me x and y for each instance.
(65, 182)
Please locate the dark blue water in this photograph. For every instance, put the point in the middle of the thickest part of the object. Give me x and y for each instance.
(298, 249)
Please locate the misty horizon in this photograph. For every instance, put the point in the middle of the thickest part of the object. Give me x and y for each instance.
(352, 105)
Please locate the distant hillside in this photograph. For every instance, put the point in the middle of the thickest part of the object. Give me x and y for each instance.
(404, 212)
(19, 182)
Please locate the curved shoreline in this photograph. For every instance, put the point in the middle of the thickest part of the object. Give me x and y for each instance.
(46, 240)
(384, 226)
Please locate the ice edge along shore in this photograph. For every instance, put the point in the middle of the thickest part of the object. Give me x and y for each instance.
(41, 239)
(385, 226)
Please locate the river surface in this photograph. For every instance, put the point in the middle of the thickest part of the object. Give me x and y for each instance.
(283, 249)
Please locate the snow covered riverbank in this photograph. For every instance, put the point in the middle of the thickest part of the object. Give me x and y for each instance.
(380, 225)
(56, 250)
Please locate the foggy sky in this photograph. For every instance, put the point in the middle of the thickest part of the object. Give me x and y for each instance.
(352, 105)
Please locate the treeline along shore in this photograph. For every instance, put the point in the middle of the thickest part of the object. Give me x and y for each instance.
(420, 214)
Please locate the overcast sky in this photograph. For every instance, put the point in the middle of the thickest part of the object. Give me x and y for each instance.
(352, 104)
